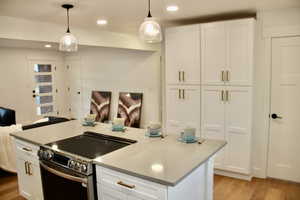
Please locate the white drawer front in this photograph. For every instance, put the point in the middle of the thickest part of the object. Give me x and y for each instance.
(26, 150)
(130, 186)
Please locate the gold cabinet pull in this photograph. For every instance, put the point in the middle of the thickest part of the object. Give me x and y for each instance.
(29, 169)
(183, 93)
(25, 166)
(179, 93)
(227, 76)
(26, 149)
(227, 95)
(183, 76)
(222, 95)
(179, 76)
(126, 185)
(222, 75)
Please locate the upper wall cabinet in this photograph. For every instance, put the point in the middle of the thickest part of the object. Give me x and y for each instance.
(227, 52)
(183, 55)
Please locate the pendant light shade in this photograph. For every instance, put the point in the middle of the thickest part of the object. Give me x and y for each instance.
(150, 30)
(68, 42)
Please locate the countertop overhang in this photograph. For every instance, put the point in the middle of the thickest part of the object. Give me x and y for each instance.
(162, 160)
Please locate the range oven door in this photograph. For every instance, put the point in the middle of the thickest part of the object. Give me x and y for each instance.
(61, 184)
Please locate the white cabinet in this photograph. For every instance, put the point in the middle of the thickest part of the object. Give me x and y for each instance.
(183, 55)
(227, 52)
(227, 114)
(114, 185)
(182, 108)
(29, 177)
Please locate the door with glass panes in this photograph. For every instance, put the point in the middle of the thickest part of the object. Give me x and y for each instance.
(42, 82)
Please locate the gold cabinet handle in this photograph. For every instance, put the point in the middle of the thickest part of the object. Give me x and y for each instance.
(179, 93)
(179, 76)
(183, 76)
(29, 169)
(25, 165)
(222, 75)
(126, 185)
(222, 95)
(26, 149)
(183, 93)
(227, 95)
(227, 76)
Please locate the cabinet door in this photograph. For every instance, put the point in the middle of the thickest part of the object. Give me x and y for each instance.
(23, 179)
(183, 108)
(238, 129)
(240, 39)
(213, 53)
(183, 55)
(213, 117)
(35, 177)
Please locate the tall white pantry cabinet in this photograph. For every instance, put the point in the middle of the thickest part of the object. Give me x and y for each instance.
(209, 80)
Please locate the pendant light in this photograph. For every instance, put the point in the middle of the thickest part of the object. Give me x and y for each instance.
(150, 30)
(68, 42)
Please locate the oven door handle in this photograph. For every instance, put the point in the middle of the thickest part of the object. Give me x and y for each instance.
(64, 175)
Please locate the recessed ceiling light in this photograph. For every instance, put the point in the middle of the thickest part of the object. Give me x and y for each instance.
(48, 45)
(101, 21)
(172, 8)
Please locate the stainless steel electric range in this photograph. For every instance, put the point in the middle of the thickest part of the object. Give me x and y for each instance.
(67, 170)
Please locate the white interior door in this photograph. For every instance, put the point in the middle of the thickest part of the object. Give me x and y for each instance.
(42, 88)
(213, 53)
(73, 65)
(284, 148)
(213, 117)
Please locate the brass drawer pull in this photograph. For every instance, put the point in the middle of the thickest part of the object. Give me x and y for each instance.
(26, 149)
(227, 95)
(222, 75)
(183, 76)
(183, 93)
(179, 93)
(179, 76)
(222, 95)
(227, 76)
(126, 185)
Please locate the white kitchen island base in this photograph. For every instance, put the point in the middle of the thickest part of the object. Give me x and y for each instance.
(114, 185)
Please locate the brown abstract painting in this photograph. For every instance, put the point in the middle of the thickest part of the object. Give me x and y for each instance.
(130, 108)
(100, 105)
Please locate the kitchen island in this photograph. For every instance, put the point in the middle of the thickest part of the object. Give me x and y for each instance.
(151, 168)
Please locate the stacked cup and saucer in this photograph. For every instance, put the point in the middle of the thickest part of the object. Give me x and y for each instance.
(154, 130)
(118, 125)
(188, 135)
(89, 120)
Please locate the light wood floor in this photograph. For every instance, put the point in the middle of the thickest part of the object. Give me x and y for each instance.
(225, 189)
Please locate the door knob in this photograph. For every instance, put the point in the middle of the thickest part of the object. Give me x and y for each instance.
(275, 116)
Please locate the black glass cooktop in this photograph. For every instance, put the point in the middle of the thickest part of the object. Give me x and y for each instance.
(91, 145)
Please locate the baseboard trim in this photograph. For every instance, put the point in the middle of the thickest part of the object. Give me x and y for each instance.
(233, 175)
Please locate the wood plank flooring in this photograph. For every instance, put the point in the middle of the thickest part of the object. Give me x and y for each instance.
(225, 189)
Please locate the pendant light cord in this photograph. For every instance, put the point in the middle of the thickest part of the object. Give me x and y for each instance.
(68, 30)
(149, 13)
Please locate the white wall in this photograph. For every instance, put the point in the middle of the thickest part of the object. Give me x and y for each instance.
(119, 70)
(15, 80)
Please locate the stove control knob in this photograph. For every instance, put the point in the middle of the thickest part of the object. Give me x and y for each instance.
(40, 153)
(72, 164)
(84, 168)
(77, 166)
(48, 155)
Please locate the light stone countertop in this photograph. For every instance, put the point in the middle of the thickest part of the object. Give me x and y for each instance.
(165, 161)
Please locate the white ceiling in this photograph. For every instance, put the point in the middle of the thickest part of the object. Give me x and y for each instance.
(126, 15)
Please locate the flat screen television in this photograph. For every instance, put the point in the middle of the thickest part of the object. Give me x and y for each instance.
(7, 117)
